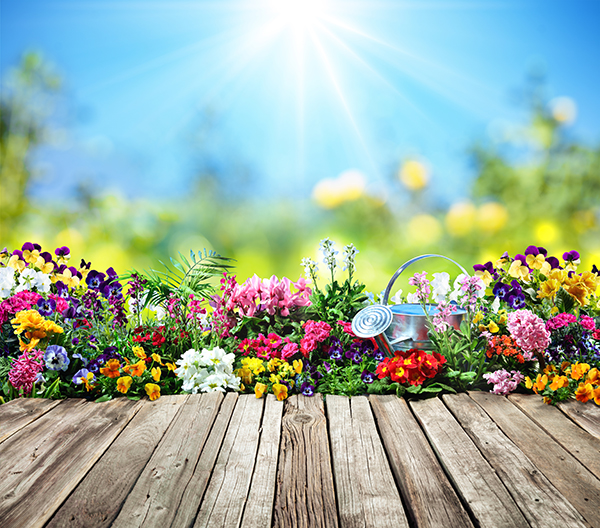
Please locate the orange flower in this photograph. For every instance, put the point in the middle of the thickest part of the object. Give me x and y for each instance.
(280, 391)
(259, 389)
(593, 376)
(155, 373)
(171, 366)
(124, 383)
(245, 374)
(584, 392)
(578, 370)
(597, 395)
(153, 391)
(111, 370)
(156, 358)
(540, 383)
(137, 369)
(559, 382)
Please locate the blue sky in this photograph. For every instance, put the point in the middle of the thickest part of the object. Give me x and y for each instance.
(294, 97)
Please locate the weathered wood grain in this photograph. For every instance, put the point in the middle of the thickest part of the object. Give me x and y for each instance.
(575, 482)
(229, 485)
(305, 494)
(45, 461)
(194, 491)
(366, 492)
(430, 499)
(259, 508)
(585, 415)
(16, 414)
(96, 501)
(582, 445)
(156, 495)
(541, 503)
(478, 485)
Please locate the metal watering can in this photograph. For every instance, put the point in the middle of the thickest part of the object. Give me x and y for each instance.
(401, 326)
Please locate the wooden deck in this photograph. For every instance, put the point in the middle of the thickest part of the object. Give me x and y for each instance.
(217, 460)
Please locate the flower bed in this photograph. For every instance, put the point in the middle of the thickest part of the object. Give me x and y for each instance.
(531, 323)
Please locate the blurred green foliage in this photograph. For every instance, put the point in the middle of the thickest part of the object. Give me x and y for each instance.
(534, 184)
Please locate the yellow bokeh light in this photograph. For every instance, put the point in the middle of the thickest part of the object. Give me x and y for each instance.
(414, 175)
(546, 232)
(424, 230)
(460, 218)
(564, 110)
(492, 217)
(330, 193)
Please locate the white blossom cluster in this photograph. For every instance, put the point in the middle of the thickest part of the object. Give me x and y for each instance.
(28, 279)
(207, 371)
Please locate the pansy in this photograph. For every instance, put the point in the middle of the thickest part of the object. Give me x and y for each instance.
(280, 390)
(123, 384)
(56, 358)
(63, 254)
(111, 370)
(46, 307)
(153, 391)
(259, 389)
(307, 389)
(95, 279)
(367, 377)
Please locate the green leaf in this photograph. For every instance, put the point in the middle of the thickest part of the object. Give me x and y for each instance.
(105, 398)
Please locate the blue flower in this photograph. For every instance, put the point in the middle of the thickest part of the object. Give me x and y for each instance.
(367, 377)
(46, 307)
(378, 356)
(83, 359)
(80, 376)
(56, 358)
(307, 389)
(95, 279)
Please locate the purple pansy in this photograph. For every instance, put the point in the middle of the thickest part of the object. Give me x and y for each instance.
(367, 377)
(46, 307)
(307, 389)
(56, 358)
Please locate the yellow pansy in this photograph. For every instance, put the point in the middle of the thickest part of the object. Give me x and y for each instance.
(155, 373)
(123, 384)
(518, 271)
(259, 389)
(153, 391)
(280, 391)
(139, 352)
(298, 366)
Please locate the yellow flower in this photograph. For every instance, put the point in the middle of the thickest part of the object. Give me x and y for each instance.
(171, 366)
(518, 271)
(273, 364)
(16, 263)
(503, 319)
(548, 289)
(478, 317)
(528, 382)
(493, 327)
(597, 395)
(274, 378)
(536, 261)
(280, 391)
(155, 373)
(245, 374)
(158, 359)
(31, 256)
(298, 365)
(485, 276)
(123, 384)
(259, 389)
(540, 383)
(88, 381)
(72, 281)
(139, 352)
(254, 364)
(153, 391)
(584, 392)
(43, 266)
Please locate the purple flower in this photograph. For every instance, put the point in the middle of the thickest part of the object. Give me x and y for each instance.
(46, 307)
(516, 301)
(378, 356)
(28, 246)
(335, 353)
(62, 289)
(62, 252)
(570, 256)
(81, 375)
(532, 250)
(367, 377)
(327, 366)
(501, 290)
(307, 389)
(354, 354)
(95, 279)
(553, 261)
(83, 359)
(56, 358)
(522, 258)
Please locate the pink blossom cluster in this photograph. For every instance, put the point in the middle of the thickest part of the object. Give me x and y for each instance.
(196, 311)
(529, 332)
(471, 288)
(315, 332)
(271, 346)
(23, 300)
(270, 295)
(560, 320)
(25, 370)
(504, 382)
(423, 285)
(587, 322)
(440, 319)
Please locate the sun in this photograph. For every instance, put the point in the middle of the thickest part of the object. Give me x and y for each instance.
(299, 14)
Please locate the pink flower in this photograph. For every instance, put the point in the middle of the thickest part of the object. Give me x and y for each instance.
(25, 370)
(529, 332)
(440, 319)
(423, 286)
(347, 328)
(504, 382)
(23, 300)
(315, 332)
(289, 350)
(587, 322)
(560, 320)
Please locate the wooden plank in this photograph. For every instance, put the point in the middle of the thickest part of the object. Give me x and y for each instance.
(94, 505)
(154, 499)
(16, 414)
(582, 445)
(259, 508)
(585, 415)
(305, 493)
(366, 492)
(428, 495)
(541, 503)
(44, 462)
(194, 491)
(575, 482)
(229, 485)
(476, 482)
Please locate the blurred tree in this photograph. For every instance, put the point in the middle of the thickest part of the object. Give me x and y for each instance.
(27, 102)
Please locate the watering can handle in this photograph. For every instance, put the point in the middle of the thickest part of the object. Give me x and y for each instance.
(408, 263)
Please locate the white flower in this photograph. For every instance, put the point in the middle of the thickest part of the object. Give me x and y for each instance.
(326, 246)
(216, 357)
(413, 298)
(441, 286)
(495, 305)
(30, 279)
(7, 281)
(350, 253)
(213, 382)
(397, 298)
